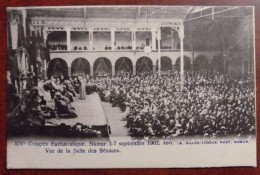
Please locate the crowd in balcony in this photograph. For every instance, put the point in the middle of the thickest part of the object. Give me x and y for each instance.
(57, 46)
(80, 48)
(124, 47)
(63, 47)
(166, 46)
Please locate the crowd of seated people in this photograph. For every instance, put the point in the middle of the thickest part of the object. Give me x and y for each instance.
(57, 46)
(42, 93)
(209, 104)
(47, 99)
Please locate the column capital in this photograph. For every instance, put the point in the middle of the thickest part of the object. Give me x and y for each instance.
(112, 30)
(154, 29)
(45, 29)
(133, 29)
(67, 29)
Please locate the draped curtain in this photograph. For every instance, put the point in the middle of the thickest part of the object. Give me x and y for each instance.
(80, 66)
(144, 65)
(102, 65)
(124, 65)
(56, 67)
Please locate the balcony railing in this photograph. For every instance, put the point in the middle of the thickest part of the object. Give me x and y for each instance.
(64, 48)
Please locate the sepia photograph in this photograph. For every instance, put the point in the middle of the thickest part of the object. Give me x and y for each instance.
(149, 75)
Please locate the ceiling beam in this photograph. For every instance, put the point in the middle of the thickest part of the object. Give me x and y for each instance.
(188, 12)
(154, 12)
(138, 12)
(230, 8)
(201, 9)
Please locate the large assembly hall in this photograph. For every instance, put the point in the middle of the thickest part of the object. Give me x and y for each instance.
(131, 71)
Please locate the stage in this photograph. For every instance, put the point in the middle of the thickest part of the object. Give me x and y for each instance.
(90, 112)
(91, 122)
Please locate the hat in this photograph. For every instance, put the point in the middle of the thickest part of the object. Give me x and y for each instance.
(57, 94)
(166, 131)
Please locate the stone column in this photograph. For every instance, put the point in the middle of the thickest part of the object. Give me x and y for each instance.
(68, 38)
(134, 69)
(91, 38)
(192, 61)
(133, 39)
(153, 38)
(69, 71)
(91, 70)
(112, 38)
(113, 70)
(172, 40)
(159, 50)
(181, 35)
(173, 67)
(154, 69)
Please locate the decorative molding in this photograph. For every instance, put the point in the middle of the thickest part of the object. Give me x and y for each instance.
(79, 29)
(59, 24)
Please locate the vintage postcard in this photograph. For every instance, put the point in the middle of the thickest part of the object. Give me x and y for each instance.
(130, 87)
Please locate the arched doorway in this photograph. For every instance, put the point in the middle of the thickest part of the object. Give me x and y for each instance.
(124, 64)
(80, 66)
(218, 63)
(166, 64)
(201, 63)
(144, 64)
(102, 66)
(56, 67)
(187, 65)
